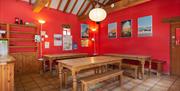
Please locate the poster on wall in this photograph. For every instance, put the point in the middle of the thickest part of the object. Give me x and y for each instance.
(67, 42)
(46, 45)
(112, 30)
(57, 40)
(75, 45)
(84, 31)
(84, 42)
(126, 28)
(145, 26)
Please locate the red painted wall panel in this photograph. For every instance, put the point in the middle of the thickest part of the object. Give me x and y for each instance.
(156, 46)
(9, 9)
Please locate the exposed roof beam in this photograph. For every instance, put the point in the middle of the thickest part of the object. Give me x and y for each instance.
(73, 6)
(85, 10)
(49, 3)
(30, 1)
(122, 4)
(81, 7)
(92, 2)
(39, 5)
(101, 4)
(67, 4)
(59, 5)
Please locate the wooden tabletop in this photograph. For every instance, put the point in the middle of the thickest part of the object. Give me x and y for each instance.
(128, 55)
(6, 59)
(64, 55)
(88, 61)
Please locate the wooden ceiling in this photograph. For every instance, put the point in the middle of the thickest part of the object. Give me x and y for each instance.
(81, 8)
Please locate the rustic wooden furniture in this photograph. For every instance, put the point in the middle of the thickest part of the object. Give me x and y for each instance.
(94, 79)
(78, 64)
(52, 57)
(7, 73)
(131, 67)
(140, 58)
(159, 64)
(22, 46)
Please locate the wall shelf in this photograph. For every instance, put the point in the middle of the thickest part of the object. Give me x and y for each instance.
(23, 46)
(21, 39)
(20, 32)
(3, 38)
(19, 25)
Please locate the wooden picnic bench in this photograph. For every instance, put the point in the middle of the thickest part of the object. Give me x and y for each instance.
(94, 79)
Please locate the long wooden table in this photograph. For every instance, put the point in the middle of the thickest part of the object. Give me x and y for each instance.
(78, 64)
(52, 57)
(141, 58)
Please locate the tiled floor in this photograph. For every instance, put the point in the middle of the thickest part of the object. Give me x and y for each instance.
(46, 82)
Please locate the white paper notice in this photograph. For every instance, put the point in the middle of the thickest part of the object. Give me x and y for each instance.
(46, 44)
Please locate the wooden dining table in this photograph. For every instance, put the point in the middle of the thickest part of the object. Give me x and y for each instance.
(78, 64)
(141, 58)
(52, 57)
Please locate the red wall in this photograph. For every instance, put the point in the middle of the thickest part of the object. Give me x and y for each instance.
(157, 46)
(9, 9)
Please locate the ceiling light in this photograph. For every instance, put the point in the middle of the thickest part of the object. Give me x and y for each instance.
(97, 14)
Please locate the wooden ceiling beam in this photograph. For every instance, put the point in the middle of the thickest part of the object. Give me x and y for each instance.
(101, 4)
(59, 5)
(49, 3)
(92, 2)
(66, 6)
(85, 10)
(81, 7)
(30, 2)
(122, 4)
(39, 5)
(73, 6)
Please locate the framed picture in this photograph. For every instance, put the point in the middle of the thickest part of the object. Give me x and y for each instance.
(112, 30)
(84, 31)
(126, 28)
(145, 26)
(57, 40)
(84, 42)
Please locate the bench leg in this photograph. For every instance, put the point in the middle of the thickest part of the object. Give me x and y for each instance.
(85, 87)
(65, 79)
(120, 79)
(159, 69)
(82, 87)
(135, 73)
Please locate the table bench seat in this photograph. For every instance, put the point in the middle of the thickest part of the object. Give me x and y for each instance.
(85, 82)
(131, 67)
(159, 66)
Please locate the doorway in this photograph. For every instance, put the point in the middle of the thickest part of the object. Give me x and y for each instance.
(175, 49)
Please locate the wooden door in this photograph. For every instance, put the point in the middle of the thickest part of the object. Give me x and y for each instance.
(175, 49)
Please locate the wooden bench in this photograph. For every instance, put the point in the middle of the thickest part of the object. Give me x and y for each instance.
(135, 68)
(85, 82)
(159, 64)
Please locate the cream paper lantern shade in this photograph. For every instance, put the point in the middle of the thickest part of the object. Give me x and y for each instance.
(97, 14)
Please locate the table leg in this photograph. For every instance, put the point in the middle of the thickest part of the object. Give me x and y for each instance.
(120, 63)
(50, 65)
(60, 75)
(150, 67)
(74, 77)
(142, 69)
(44, 65)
